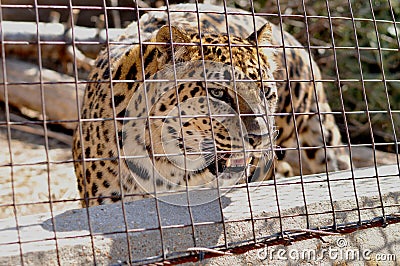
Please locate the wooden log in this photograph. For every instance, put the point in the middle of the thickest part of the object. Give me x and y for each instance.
(21, 41)
(60, 98)
(364, 157)
(25, 35)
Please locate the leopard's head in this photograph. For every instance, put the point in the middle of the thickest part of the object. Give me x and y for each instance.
(208, 109)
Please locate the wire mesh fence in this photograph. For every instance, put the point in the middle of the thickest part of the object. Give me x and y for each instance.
(211, 129)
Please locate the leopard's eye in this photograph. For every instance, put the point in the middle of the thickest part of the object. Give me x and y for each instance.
(217, 93)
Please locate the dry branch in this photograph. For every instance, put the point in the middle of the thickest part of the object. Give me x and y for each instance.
(37, 130)
(24, 91)
(21, 40)
(24, 33)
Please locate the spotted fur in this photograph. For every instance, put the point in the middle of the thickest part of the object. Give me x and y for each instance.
(115, 156)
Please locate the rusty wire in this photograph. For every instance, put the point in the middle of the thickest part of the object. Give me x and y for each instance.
(198, 253)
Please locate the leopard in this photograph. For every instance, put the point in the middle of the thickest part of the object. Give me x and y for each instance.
(194, 96)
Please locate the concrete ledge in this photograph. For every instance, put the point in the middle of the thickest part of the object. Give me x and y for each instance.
(211, 222)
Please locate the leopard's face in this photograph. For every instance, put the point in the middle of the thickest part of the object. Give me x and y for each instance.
(198, 131)
(214, 131)
(210, 120)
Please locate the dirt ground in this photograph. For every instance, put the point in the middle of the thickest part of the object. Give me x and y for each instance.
(24, 175)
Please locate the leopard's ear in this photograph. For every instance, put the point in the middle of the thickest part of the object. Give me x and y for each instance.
(164, 36)
(181, 52)
(264, 35)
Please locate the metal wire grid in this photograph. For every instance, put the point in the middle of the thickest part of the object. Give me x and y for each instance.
(280, 237)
